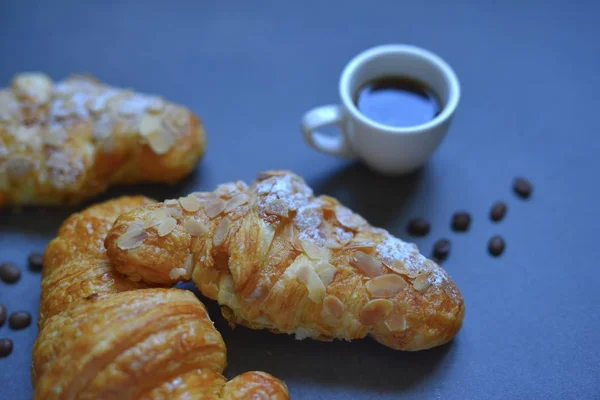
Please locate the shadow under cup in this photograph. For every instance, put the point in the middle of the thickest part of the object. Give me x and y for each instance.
(379, 145)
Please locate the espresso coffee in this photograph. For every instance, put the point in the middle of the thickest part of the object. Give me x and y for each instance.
(397, 101)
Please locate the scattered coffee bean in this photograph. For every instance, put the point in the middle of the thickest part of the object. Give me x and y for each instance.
(441, 249)
(522, 187)
(10, 273)
(2, 314)
(498, 211)
(418, 227)
(461, 221)
(496, 245)
(6, 346)
(19, 320)
(35, 261)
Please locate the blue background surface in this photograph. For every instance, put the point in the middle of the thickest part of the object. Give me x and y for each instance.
(530, 83)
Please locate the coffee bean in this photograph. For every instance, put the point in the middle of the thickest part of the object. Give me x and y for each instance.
(441, 249)
(35, 261)
(522, 187)
(418, 227)
(436, 260)
(19, 320)
(6, 347)
(10, 273)
(498, 211)
(496, 245)
(461, 221)
(2, 314)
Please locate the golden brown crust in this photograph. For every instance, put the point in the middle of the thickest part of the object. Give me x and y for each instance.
(103, 336)
(275, 256)
(67, 141)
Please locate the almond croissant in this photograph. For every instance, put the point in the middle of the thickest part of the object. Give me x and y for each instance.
(105, 337)
(274, 256)
(67, 141)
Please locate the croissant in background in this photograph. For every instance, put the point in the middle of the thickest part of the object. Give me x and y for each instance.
(275, 256)
(103, 336)
(67, 141)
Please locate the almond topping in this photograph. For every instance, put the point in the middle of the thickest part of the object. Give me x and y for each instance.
(188, 264)
(195, 227)
(236, 201)
(421, 282)
(149, 124)
(326, 272)
(375, 311)
(277, 207)
(366, 264)
(214, 207)
(155, 105)
(221, 232)
(334, 306)
(132, 238)
(176, 273)
(363, 246)
(160, 141)
(316, 288)
(155, 218)
(385, 285)
(167, 226)
(33, 86)
(313, 251)
(190, 203)
(348, 219)
(396, 323)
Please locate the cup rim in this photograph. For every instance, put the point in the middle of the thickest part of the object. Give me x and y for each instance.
(433, 59)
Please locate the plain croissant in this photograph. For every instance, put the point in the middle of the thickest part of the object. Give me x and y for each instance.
(275, 256)
(105, 337)
(67, 141)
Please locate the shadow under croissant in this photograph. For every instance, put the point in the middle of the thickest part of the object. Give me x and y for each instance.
(361, 363)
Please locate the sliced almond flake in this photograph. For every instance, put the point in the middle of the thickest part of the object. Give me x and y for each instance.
(171, 203)
(195, 227)
(221, 232)
(155, 105)
(396, 323)
(25, 134)
(366, 264)
(375, 311)
(326, 272)
(236, 201)
(160, 141)
(313, 251)
(334, 306)
(33, 86)
(277, 207)
(167, 226)
(188, 265)
(214, 207)
(349, 219)
(134, 237)
(290, 233)
(177, 273)
(316, 288)
(421, 282)
(385, 285)
(226, 189)
(190, 203)
(363, 246)
(149, 124)
(155, 218)
(333, 244)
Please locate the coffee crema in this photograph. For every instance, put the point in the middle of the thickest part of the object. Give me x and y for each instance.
(397, 101)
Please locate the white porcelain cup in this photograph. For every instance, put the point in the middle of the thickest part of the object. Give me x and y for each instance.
(386, 149)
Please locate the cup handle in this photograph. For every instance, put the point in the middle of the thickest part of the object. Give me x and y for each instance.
(319, 117)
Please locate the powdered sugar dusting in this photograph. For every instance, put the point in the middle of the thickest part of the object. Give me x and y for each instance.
(394, 252)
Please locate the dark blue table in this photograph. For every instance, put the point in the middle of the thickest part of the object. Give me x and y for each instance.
(531, 97)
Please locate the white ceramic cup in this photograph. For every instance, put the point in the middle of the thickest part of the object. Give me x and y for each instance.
(386, 149)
